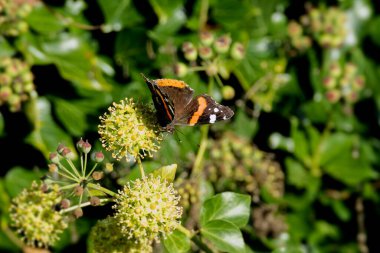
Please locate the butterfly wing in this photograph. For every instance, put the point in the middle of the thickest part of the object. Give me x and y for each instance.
(203, 110)
(162, 102)
(179, 92)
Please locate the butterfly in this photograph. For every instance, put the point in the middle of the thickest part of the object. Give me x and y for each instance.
(176, 105)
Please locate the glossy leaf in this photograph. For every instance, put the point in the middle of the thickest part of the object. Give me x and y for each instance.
(46, 134)
(18, 179)
(119, 14)
(227, 206)
(176, 242)
(166, 172)
(41, 16)
(72, 117)
(224, 235)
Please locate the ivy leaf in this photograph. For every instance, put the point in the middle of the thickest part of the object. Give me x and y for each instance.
(224, 235)
(46, 134)
(40, 16)
(71, 116)
(18, 179)
(166, 172)
(119, 14)
(227, 206)
(177, 242)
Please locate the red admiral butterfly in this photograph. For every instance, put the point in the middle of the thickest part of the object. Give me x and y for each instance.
(175, 105)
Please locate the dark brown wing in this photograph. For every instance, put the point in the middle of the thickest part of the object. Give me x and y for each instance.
(162, 102)
(203, 110)
(178, 91)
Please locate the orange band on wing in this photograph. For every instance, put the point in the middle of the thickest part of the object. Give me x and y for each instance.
(202, 104)
(171, 82)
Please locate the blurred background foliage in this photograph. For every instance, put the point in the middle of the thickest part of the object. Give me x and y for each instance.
(302, 78)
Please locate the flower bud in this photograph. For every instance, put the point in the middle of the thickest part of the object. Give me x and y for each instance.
(228, 92)
(65, 203)
(206, 37)
(78, 212)
(222, 44)
(205, 52)
(329, 82)
(66, 153)
(54, 158)
(180, 69)
(237, 51)
(333, 96)
(79, 144)
(95, 201)
(53, 168)
(60, 148)
(78, 190)
(97, 175)
(97, 156)
(86, 147)
(189, 51)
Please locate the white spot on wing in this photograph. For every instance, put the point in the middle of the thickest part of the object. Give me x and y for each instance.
(224, 117)
(216, 110)
(212, 118)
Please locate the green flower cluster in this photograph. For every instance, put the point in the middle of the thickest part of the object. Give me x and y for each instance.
(343, 83)
(264, 91)
(12, 15)
(147, 209)
(327, 26)
(34, 216)
(236, 165)
(129, 128)
(214, 54)
(16, 83)
(105, 237)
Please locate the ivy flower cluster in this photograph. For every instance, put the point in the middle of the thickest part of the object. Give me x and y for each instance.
(130, 130)
(12, 15)
(326, 26)
(34, 216)
(343, 83)
(16, 83)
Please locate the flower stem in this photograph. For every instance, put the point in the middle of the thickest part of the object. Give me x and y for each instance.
(201, 151)
(140, 167)
(88, 203)
(201, 244)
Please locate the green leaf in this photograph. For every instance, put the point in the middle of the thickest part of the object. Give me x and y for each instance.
(18, 179)
(244, 126)
(72, 116)
(4, 197)
(166, 172)
(177, 242)
(41, 16)
(334, 146)
(224, 235)
(119, 14)
(6, 49)
(227, 206)
(296, 173)
(46, 134)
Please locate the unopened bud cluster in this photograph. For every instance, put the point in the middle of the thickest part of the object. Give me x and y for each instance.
(268, 221)
(236, 165)
(188, 189)
(264, 91)
(75, 182)
(327, 26)
(211, 52)
(343, 83)
(12, 16)
(16, 83)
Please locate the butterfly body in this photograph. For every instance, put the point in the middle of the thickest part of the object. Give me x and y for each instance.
(176, 105)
